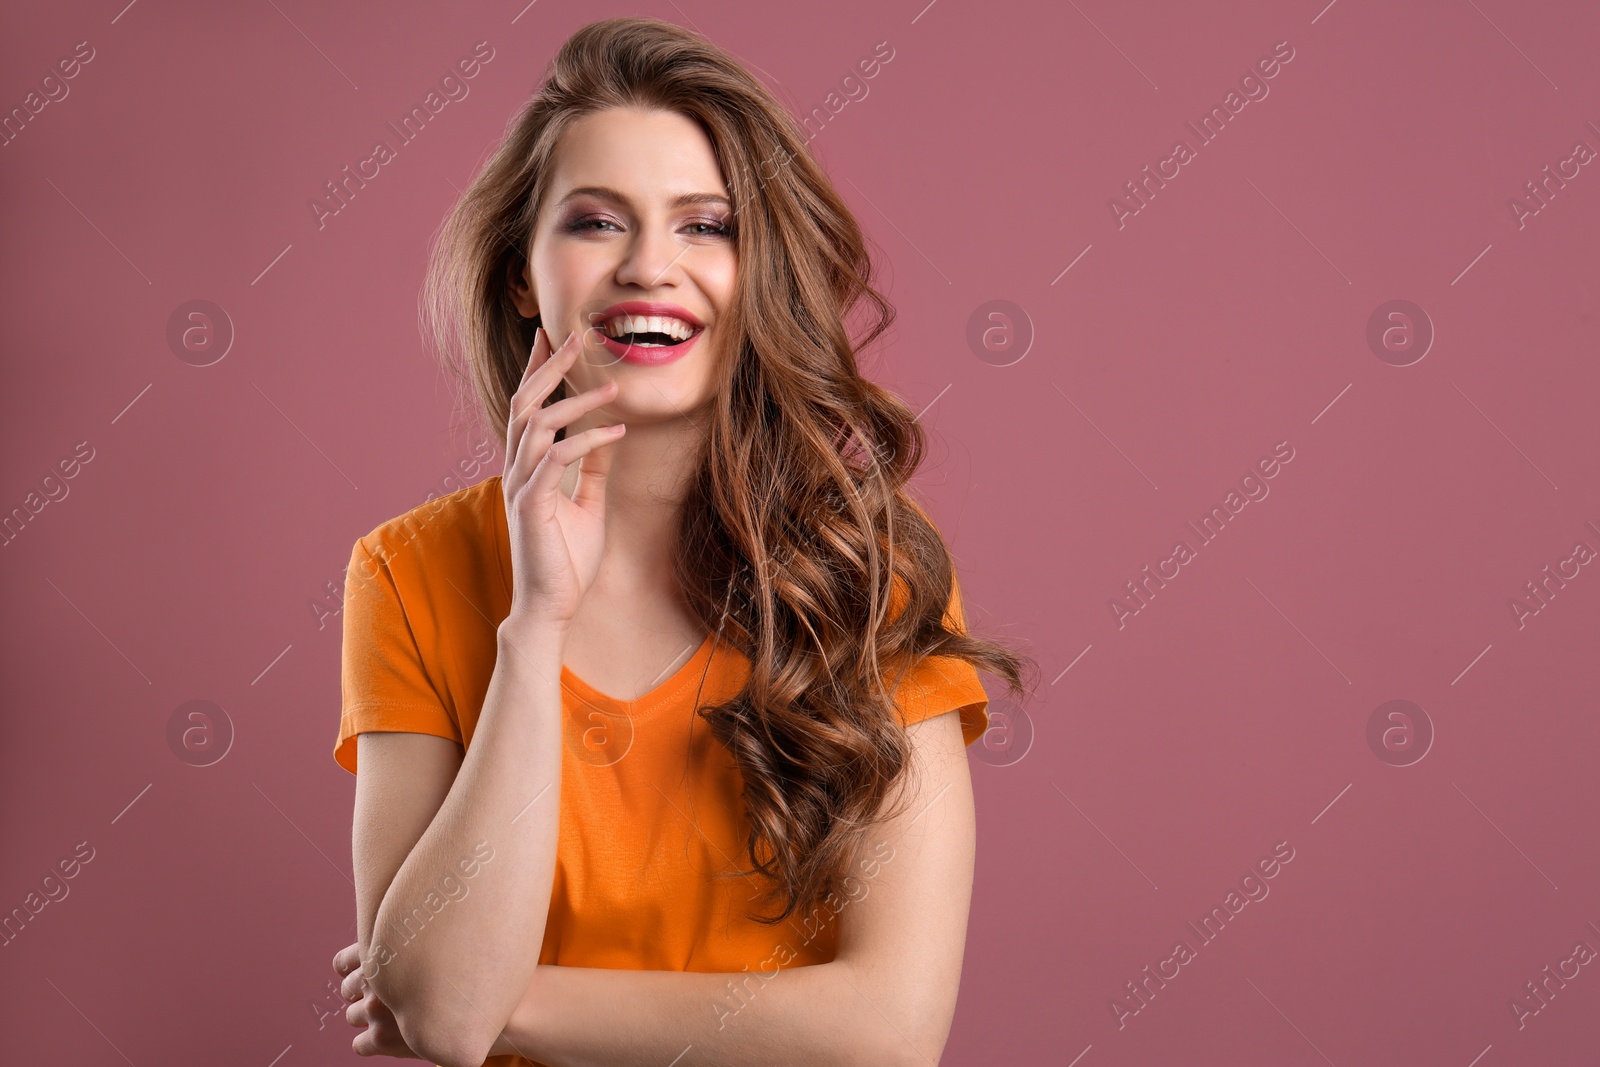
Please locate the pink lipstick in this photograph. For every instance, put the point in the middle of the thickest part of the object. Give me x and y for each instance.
(646, 346)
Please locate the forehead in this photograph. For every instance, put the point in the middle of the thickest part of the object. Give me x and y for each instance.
(648, 156)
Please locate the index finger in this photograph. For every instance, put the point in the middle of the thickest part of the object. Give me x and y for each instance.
(347, 959)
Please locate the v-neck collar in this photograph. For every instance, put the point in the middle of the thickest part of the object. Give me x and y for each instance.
(668, 692)
(665, 693)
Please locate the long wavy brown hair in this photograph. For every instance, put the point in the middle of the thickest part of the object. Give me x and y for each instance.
(810, 556)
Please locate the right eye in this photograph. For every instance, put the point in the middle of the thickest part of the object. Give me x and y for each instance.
(587, 224)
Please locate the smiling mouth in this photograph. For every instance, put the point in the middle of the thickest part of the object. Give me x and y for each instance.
(650, 339)
(649, 331)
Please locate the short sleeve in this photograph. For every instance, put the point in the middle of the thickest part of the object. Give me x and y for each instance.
(383, 682)
(939, 684)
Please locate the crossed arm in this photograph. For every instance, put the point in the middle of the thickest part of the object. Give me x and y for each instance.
(887, 998)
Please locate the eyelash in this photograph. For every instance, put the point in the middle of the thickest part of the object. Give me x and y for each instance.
(581, 225)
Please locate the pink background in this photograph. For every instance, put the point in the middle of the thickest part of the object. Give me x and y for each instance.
(1169, 753)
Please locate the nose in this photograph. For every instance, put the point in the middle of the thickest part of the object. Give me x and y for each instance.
(651, 259)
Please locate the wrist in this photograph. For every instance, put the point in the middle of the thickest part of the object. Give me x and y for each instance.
(527, 629)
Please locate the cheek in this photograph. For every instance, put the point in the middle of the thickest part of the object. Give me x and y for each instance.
(564, 272)
(722, 284)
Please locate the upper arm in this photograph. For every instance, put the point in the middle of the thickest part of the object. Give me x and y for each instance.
(903, 934)
(395, 732)
(404, 780)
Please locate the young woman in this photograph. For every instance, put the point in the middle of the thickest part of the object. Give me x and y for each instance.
(661, 732)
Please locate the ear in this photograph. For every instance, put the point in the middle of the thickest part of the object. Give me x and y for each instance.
(520, 286)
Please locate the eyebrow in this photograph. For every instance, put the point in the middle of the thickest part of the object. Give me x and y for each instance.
(682, 200)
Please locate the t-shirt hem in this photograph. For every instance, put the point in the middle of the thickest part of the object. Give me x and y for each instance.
(378, 716)
(970, 700)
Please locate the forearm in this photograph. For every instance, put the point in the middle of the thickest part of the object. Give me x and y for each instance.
(444, 966)
(801, 1016)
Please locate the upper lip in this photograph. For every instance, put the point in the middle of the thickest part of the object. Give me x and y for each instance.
(647, 307)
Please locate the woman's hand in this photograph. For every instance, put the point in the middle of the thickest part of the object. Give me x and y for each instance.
(556, 543)
(382, 1034)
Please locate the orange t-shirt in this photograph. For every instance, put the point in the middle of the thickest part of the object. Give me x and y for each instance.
(650, 801)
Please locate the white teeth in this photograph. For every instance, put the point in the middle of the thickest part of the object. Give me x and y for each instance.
(675, 328)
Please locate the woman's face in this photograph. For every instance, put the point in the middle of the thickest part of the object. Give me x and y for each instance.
(636, 213)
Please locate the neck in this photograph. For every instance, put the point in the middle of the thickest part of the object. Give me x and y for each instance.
(651, 467)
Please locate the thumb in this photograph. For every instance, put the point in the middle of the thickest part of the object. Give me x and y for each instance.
(593, 470)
